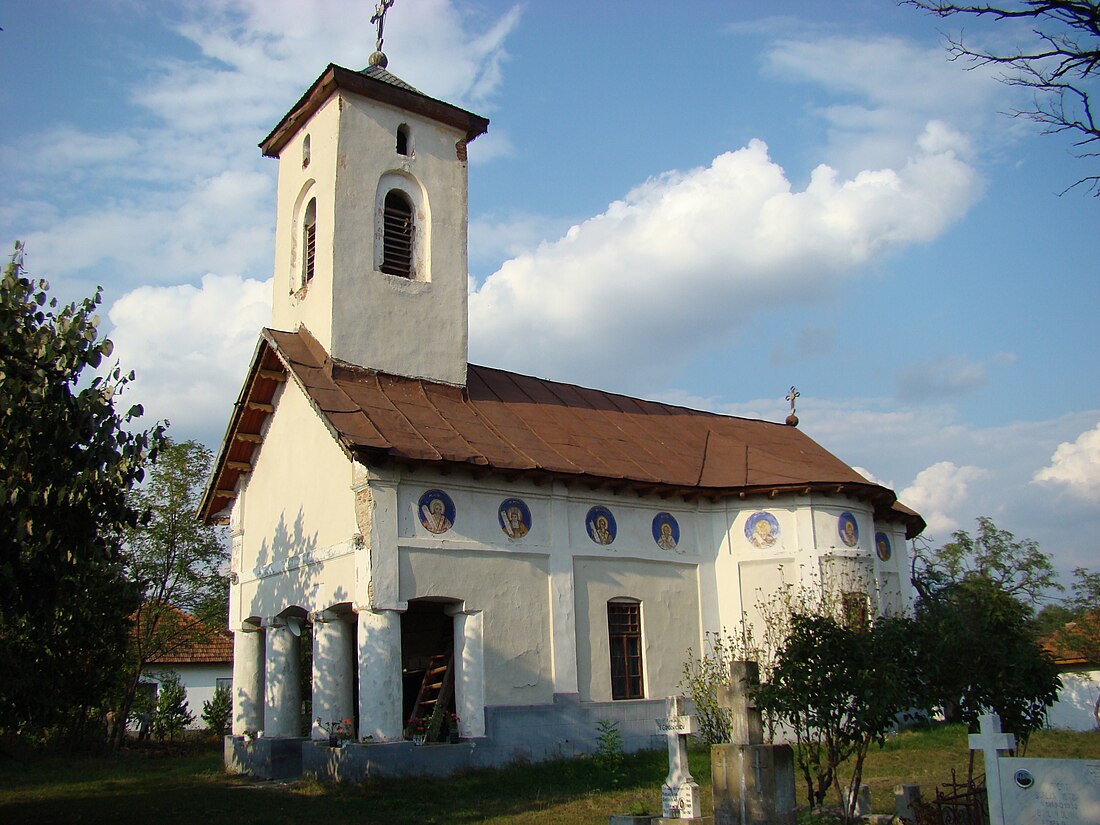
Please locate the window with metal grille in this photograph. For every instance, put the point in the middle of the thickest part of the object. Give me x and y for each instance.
(854, 611)
(397, 235)
(624, 629)
(309, 241)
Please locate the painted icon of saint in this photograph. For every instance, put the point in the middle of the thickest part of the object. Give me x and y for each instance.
(666, 532)
(436, 511)
(514, 518)
(762, 530)
(882, 546)
(600, 525)
(848, 529)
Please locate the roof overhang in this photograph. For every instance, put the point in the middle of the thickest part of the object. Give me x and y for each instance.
(336, 78)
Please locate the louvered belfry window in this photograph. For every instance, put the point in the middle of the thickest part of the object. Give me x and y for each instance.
(397, 236)
(624, 626)
(309, 241)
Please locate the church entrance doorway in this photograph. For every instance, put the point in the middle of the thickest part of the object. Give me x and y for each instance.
(428, 670)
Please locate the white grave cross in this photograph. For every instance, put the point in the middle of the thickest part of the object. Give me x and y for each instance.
(992, 743)
(680, 793)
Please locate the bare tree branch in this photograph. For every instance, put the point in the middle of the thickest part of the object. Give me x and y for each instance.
(1060, 67)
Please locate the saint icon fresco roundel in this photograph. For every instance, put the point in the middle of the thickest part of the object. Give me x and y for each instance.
(882, 546)
(436, 511)
(514, 517)
(600, 525)
(848, 529)
(666, 532)
(762, 530)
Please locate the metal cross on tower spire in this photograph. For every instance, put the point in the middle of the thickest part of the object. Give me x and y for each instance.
(379, 19)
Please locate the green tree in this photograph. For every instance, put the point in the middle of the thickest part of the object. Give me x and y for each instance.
(216, 711)
(68, 457)
(172, 714)
(839, 688)
(702, 679)
(1053, 51)
(178, 563)
(976, 601)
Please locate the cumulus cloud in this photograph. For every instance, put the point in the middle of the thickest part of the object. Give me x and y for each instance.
(1075, 466)
(180, 189)
(938, 491)
(190, 347)
(693, 255)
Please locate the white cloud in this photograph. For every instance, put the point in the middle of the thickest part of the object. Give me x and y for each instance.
(189, 347)
(694, 255)
(181, 189)
(940, 490)
(887, 89)
(1076, 466)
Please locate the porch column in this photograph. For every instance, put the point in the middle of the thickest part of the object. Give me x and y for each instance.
(380, 688)
(333, 670)
(469, 649)
(282, 680)
(248, 679)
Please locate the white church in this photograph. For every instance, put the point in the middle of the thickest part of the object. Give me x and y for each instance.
(467, 553)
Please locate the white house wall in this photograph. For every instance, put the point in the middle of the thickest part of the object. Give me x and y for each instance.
(297, 516)
(199, 682)
(1074, 709)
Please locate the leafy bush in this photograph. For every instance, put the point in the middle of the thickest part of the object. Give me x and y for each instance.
(171, 715)
(216, 711)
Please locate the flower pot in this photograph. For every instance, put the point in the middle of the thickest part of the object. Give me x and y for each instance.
(333, 742)
(418, 739)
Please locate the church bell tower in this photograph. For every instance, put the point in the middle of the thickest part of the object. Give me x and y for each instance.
(370, 236)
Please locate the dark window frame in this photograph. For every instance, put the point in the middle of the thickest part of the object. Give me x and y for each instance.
(624, 630)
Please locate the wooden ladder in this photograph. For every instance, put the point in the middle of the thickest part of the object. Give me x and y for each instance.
(437, 688)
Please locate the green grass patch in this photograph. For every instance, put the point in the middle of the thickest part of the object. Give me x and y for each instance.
(188, 786)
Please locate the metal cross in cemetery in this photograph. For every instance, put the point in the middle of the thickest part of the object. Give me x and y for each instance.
(680, 794)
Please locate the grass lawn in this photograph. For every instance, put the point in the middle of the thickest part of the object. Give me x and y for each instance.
(191, 787)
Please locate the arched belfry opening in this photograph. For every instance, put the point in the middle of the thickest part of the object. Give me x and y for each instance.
(397, 235)
(428, 668)
(309, 241)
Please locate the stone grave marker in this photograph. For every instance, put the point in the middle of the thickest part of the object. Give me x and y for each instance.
(680, 794)
(1030, 791)
(753, 783)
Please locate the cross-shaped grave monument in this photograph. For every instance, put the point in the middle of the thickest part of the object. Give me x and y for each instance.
(680, 794)
(752, 782)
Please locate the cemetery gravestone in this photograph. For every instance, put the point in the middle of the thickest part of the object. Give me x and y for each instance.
(680, 794)
(752, 782)
(1029, 791)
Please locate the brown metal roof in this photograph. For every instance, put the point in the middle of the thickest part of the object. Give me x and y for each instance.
(376, 84)
(519, 424)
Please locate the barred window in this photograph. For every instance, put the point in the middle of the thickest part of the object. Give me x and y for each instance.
(624, 627)
(309, 241)
(397, 235)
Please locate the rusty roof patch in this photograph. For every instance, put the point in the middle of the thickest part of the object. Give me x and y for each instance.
(518, 423)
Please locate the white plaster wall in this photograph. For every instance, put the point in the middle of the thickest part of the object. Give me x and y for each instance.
(1076, 699)
(290, 304)
(199, 681)
(414, 327)
(297, 515)
(512, 593)
(669, 594)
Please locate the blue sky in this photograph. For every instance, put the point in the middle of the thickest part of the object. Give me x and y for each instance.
(701, 202)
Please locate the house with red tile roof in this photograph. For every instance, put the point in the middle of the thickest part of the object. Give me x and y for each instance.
(423, 545)
(202, 658)
(1078, 703)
